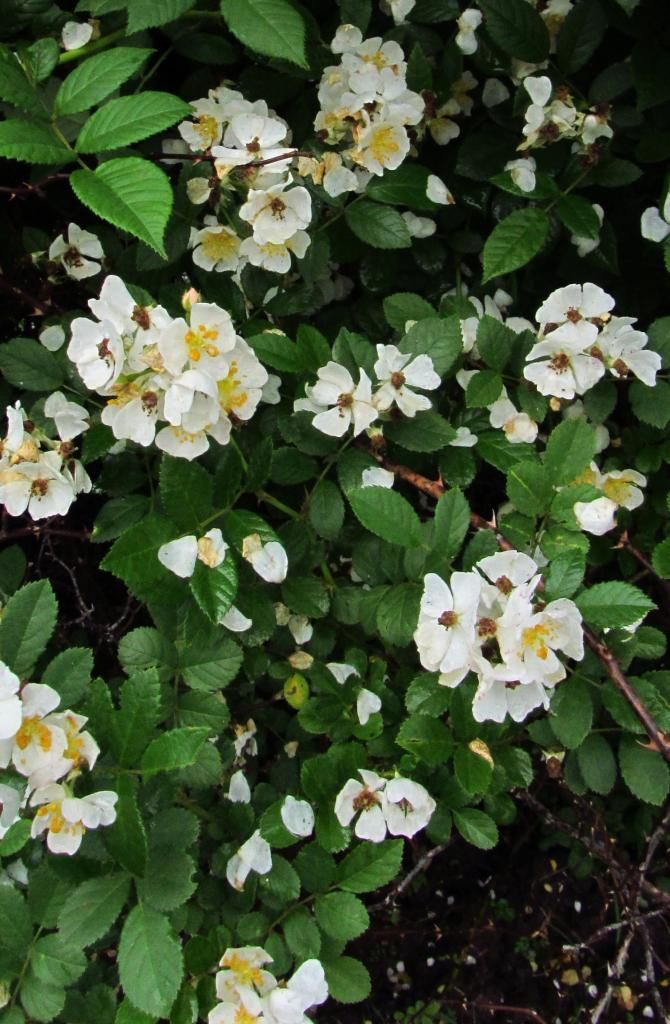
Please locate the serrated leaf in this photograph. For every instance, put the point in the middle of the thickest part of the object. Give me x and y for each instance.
(571, 712)
(473, 772)
(98, 76)
(570, 449)
(92, 909)
(597, 764)
(476, 827)
(381, 227)
(515, 240)
(69, 673)
(27, 623)
(644, 771)
(406, 186)
(55, 962)
(326, 509)
(214, 588)
(128, 119)
(661, 558)
(16, 931)
(341, 915)
(33, 142)
(272, 27)
(386, 514)
(484, 388)
(28, 365)
(370, 866)
(177, 748)
(495, 342)
(404, 306)
(398, 613)
(348, 980)
(580, 35)
(613, 604)
(136, 720)
(517, 29)
(209, 663)
(427, 738)
(529, 488)
(578, 216)
(132, 194)
(451, 523)
(150, 961)
(425, 432)
(134, 556)
(440, 339)
(153, 13)
(126, 839)
(565, 574)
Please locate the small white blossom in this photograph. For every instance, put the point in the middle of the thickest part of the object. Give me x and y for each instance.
(624, 349)
(397, 373)
(419, 227)
(468, 23)
(76, 34)
(10, 803)
(215, 246)
(575, 303)
(655, 227)
(275, 256)
(70, 418)
(10, 704)
(438, 192)
(298, 817)
(254, 855)
(52, 337)
(180, 556)
(365, 800)
(77, 253)
(268, 560)
(65, 819)
(277, 214)
(597, 516)
(239, 791)
(522, 173)
(494, 93)
(445, 631)
(585, 245)
(367, 704)
(375, 476)
(408, 807)
(352, 405)
(567, 369)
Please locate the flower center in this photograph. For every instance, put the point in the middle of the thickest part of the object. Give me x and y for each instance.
(33, 731)
(448, 619)
(573, 315)
(277, 207)
(207, 552)
(365, 800)
(621, 368)
(220, 245)
(345, 401)
(504, 585)
(383, 144)
(229, 396)
(534, 637)
(560, 362)
(486, 627)
(39, 487)
(208, 129)
(617, 490)
(141, 317)
(72, 257)
(397, 379)
(245, 973)
(199, 340)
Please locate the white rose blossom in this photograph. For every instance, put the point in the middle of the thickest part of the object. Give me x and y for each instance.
(339, 403)
(297, 817)
(397, 373)
(180, 556)
(79, 253)
(268, 560)
(253, 855)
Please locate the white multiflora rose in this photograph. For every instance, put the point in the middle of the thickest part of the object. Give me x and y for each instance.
(364, 800)
(242, 983)
(655, 227)
(622, 486)
(76, 34)
(11, 714)
(277, 213)
(560, 365)
(575, 303)
(494, 93)
(522, 173)
(204, 343)
(519, 428)
(78, 253)
(464, 438)
(468, 23)
(268, 560)
(39, 744)
(287, 1005)
(275, 256)
(419, 227)
(52, 337)
(380, 145)
(597, 517)
(398, 373)
(65, 818)
(98, 351)
(446, 630)
(498, 696)
(180, 556)
(39, 488)
(10, 803)
(352, 404)
(624, 349)
(215, 246)
(254, 855)
(297, 817)
(71, 419)
(528, 639)
(408, 807)
(437, 191)
(341, 671)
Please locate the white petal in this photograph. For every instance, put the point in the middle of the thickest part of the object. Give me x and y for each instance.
(179, 556)
(298, 817)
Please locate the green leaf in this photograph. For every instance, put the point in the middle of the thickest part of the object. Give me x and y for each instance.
(427, 738)
(341, 915)
(476, 827)
(613, 604)
(153, 13)
(14, 85)
(440, 339)
(661, 558)
(348, 980)
(186, 492)
(92, 909)
(15, 838)
(214, 588)
(98, 76)
(378, 226)
(425, 432)
(132, 194)
(473, 772)
(571, 712)
(33, 142)
(451, 523)
(597, 764)
(386, 514)
(129, 119)
(570, 449)
(315, 867)
(484, 388)
(406, 186)
(370, 866)
(326, 509)
(517, 29)
(27, 364)
(580, 35)
(425, 696)
(398, 613)
(69, 673)
(209, 662)
(302, 935)
(177, 748)
(495, 342)
(55, 962)
(134, 556)
(15, 929)
(41, 58)
(117, 515)
(277, 351)
(150, 961)
(644, 771)
(516, 239)
(40, 1001)
(126, 839)
(651, 404)
(137, 719)
(306, 595)
(27, 623)
(529, 488)
(578, 216)
(565, 575)
(404, 306)
(272, 27)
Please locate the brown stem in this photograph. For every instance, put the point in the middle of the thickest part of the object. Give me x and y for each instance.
(28, 188)
(627, 545)
(44, 308)
(418, 868)
(8, 536)
(289, 155)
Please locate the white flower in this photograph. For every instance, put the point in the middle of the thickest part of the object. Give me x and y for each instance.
(519, 428)
(575, 303)
(268, 560)
(276, 214)
(205, 131)
(438, 192)
(654, 226)
(52, 337)
(275, 256)
(351, 404)
(245, 739)
(381, 145)
(398, 9)
(522, 173)
(71, 419)
(596, 517)
(98, 351)
(181, 555)
(419, 227)
(623, 487)
(243, 981)
(10, 802)
(367, 703)
(494, 93)
(81, 748)
(341, 671)
(72, 252)
(594, 127)
(66, 818)
(40, 488)
(624, 349)
(375, 476)
(497, 697)
(396, 372)
(365, 800)
(10, 704)
(468, 23)
(585, 245)
(215, 246)
(239, 791)
(298, 817)
(235, 621)
(133, 411)
(446, 630)
(408, 807)
(198, 191)
(76, 34)
(206, 343)
(38, 745)
(306, 988)
(464, 438)
(568, 370)
(254, 855)
(528, 640)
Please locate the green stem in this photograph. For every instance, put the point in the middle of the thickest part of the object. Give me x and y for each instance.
(24, 967)
(245, 464)
(269, 499)
(98, 44)
(566, 191)
(340, 213)
(61, 138)
(327, 574)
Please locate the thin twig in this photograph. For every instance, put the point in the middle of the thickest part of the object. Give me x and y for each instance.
(609, 929)
(420, 866)
(627, 545)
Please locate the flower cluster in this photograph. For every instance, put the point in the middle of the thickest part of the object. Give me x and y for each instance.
(38, 474)
(366, 107)
(399, 806)
(580, 340)
(489, 621)
(620, 489)
(197, 376)
(552, 115)
(249, 994)
(338, 403)
(43, 746)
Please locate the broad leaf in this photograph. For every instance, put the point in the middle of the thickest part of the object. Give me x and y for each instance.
(129, 119)
(515, 240)
(98, 76)
(272, 27)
